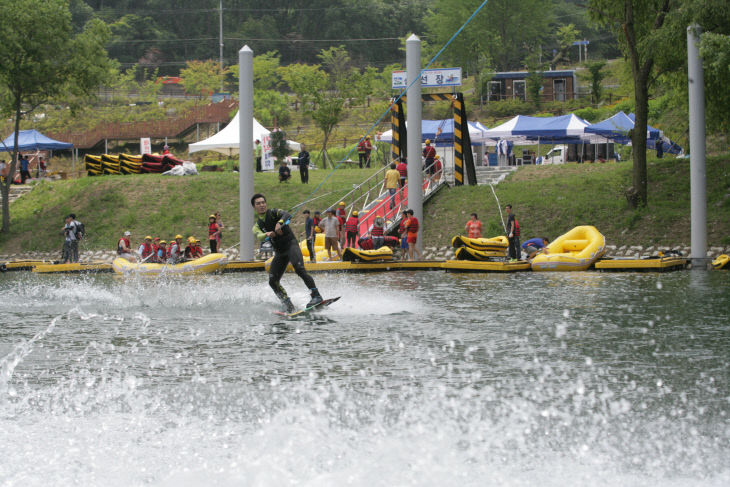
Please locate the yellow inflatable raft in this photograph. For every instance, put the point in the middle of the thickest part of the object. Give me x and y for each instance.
(23, 265)
(467, 253)
(318, 244)
(722, 262)
(358, 255)
(207, 264)
(576, 250)
(481, 244)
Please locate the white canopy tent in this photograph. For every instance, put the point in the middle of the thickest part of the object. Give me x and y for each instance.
(227, 140)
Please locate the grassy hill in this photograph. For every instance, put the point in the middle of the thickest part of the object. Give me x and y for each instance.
(548, 200)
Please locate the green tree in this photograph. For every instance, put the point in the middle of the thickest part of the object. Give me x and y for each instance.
(41, 60)
(715, 52)
(638, 25)
(506, 29)
(202, 77)
(567, 35)
(270, 106)
(279, 148)
(596, 75)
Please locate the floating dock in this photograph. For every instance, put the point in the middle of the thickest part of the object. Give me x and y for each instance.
(485, 266)
(77, 268)
(658, 264)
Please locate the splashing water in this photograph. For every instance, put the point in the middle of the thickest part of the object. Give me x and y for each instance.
(410, 379)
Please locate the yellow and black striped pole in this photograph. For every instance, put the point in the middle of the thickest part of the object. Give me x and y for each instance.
(398, 127)
(463, 157)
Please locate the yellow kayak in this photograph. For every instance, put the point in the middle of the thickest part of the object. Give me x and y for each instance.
(722, 262)
(482, 244)
(576, 250)
(207, 264)
(383, 253)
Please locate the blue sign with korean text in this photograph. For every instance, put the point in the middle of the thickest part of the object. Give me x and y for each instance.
(430, 78)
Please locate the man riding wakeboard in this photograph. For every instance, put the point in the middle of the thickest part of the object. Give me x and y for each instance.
(273, 224)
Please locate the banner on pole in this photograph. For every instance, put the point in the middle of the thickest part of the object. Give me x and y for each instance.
(267, 161)
(145, 146)
(430, 78)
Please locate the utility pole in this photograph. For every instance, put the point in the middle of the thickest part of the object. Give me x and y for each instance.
(697, 174)
(245, 151)
(414, 110)
(220, 36)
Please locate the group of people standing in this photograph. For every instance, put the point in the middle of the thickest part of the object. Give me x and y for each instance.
(25, 164)
(532, 247)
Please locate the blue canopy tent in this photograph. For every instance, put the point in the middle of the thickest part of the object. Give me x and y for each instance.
(440, 132)
(617, 128)
(33, 140)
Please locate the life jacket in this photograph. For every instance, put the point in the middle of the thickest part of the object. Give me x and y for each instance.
(197, 251)
(147, 250)
(351, 225)
(361, 147)
(402, 169)
(517, 228)
(341, 214)
(212, 228)
(474, 229)
(268, 223)
(412, 225)
(429, 152)
(163, 256)
(127, 243)
(376, 231)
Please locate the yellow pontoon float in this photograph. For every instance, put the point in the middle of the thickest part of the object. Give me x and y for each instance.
(576, 250)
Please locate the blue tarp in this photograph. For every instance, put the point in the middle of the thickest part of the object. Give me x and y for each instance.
(32, 140)
(617, 128)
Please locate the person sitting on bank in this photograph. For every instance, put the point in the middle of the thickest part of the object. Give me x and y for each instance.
(284, 172)
(535, 246)
(124, 247)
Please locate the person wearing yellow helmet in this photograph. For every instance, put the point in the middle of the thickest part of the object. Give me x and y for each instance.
(162, 252)
(176, 251)
(146, 250)
(429, 154)
(351, 229)
(190, 248)
(214, 233)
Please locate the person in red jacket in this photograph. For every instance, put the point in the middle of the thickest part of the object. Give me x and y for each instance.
(473, 227)
(214, 232)
(402, 168)
(429, 153)
(124, 247)
(351, 229)
(412, 228)
(146, 250)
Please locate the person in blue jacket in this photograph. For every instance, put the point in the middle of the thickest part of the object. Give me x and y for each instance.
(533, 246)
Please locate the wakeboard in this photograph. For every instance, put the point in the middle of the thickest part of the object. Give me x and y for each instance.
(305, 311)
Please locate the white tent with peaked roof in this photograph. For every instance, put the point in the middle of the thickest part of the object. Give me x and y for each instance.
(227, 140)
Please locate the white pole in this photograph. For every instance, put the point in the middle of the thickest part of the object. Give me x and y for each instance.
(697, 175)
(245, 153)
(220, 36)
(414, 105)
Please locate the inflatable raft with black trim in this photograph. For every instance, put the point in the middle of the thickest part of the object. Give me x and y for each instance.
(467, 253)
(722, 262)
(207, 264)
(351, 254)
(494, 244)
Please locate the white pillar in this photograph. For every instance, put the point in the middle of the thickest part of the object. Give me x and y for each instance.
(245, 154)
(413, 106)
(698, 177)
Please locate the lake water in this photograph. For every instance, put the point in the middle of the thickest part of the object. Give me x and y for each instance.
(411, 379)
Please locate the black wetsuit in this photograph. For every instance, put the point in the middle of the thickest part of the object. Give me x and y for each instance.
(286, 250)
